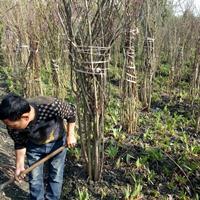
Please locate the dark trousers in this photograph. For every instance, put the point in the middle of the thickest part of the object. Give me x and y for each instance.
(55, 168)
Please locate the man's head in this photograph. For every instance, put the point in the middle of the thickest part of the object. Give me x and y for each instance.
(14, 111)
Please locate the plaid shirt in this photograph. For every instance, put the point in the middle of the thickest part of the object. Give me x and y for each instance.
(48, 124)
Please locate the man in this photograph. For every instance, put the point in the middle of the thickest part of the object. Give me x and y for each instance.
(37, 128)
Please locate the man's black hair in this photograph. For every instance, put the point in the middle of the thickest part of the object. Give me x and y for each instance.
(13, 107)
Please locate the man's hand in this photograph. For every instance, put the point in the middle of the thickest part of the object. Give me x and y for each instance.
(18, 176)
(71, 140)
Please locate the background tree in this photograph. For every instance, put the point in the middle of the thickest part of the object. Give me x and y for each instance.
(92, 27)
(153, 16)
(130, 101)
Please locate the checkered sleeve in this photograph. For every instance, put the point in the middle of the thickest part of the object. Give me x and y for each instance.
(64, 110)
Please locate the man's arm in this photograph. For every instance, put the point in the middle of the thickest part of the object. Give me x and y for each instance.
(67, 112)
(71, 139)
(20, 158)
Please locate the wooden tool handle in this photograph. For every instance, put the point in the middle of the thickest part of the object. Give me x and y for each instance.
(52, 154)
(26, 171)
